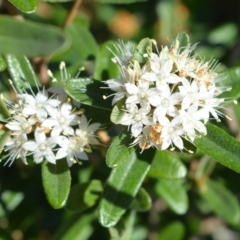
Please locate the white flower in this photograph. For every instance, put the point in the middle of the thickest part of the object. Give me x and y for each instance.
(39, 104)
(42, 147)
(61, 120)
(14, 146)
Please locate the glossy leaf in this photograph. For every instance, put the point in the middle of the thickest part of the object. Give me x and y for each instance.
(181, 40)
(4, 113)
(122, 186)
(28, 38)
(21, 72)
(174, 194)
(144, 47)
(120, 1)
(117, 113)
(173, 231)
(88, 91)
(119, 150)
(142, 202)
(221, 201)
(167, 165)
(4, 136)
(104, 67)
(83, 196)
(221, 147)
(56, 182)
(27, 6)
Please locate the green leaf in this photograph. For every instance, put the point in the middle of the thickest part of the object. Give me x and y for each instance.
(221, 201)
(21, 72)
(167, 165)
(180, 41)
(117, 113)
(173, 231)
(4, 113)
(142, 202)
(120, 1)
(88, 91)
(83, 196)
(29, 38)
(104, 67)
(205, 167)
(3, 64)
(232, 79)
(174, 194)
(56, 182)
(4, 136)
(144, 47)
(56, 1)
(220, 146)
(119, 150)
(27, 6)
(122, 186)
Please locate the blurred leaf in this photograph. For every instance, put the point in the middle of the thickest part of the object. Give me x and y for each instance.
(3, 64)
(119, 151)
(56, 182)
(232, 79)
(56, 1)
(181, 40)
(4, 113)
(104, 67)
(167, 165)
(4, 136)
(120, 1)
(220, 146)
(144, 46)
(88, 91)
(12, 199)
(29, 38)
(117, 112)
(122, 186)
(83, 196)
(205, 167)
(21, 72)
(27, 6)
(173, 231)
(221, 201)
(174, 194)
(142, 202)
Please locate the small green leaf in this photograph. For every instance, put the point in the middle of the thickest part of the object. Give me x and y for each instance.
(4, 113)
(221, 201)
(83, 196)
(119, 150)
(174, 194)
(142, 202)
(3, 64)
(104, 67)
(119, 1)
(220, 146)
(173, 231)
(205, 167)
(56, 182)
(167, 165)
(232, 79)
(27, 6)
(21, 72)
(88, 91)
(122, 186)
(117, 113)
(144, 47)
(180, 41)
(4, 136)
(29, 38)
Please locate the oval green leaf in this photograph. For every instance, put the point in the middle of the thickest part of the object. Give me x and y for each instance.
(3, 64)
(119, 150)
(117, 113)
(142, 202)
(21, 72)
(144, 47)
(221, 147)
(88, 91)
(56, 182)
(180, 41)
(167, 165)
(83, 196)
(122, 186)
(221, 201)
(4, 136)
(173, 231)
(27, 6)
(29, 38)
(4, 113)
(174, 194)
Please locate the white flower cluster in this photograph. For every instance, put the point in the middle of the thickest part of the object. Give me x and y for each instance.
(168, 98)
(49, 129)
